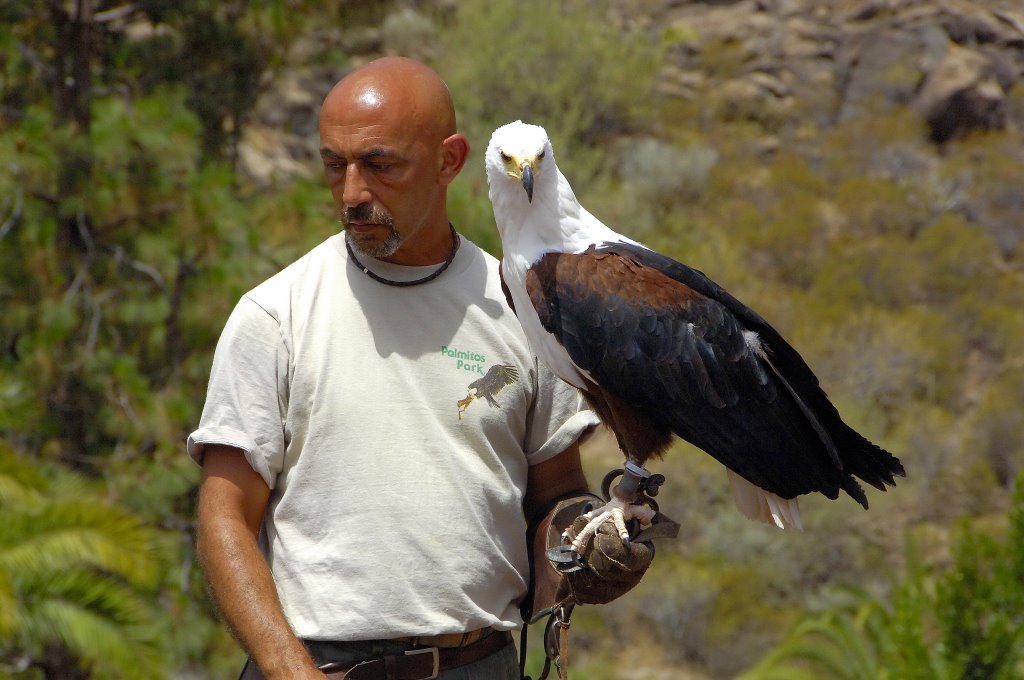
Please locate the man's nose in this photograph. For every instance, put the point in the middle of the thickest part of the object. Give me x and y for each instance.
(356, 190)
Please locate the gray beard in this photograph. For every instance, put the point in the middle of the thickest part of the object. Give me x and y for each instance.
(378, 250)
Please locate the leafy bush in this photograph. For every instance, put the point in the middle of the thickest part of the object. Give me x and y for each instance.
(537, 61)
(663, 175)
(964, 623)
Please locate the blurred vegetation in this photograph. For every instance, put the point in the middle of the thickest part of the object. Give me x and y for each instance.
(77, 575)
(129, 226)
(964, 623)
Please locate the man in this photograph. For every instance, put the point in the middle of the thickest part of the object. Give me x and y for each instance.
(376, 424)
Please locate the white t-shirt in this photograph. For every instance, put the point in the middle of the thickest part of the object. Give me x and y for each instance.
(394, 427)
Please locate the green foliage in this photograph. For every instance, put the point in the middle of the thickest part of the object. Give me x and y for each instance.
(843, 644)
(997, 432)
(409, 33)
(534, 60)
(127, 239)
(108, 269)
(74, 571)
(662, 175)
(470, 211)
(965, 623)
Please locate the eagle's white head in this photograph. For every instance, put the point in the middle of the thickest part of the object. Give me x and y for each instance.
(520, 155)
(535, 209)
(523, 185)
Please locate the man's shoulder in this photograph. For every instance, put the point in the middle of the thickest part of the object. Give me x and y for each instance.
(296, 279)
(479, 256)
(480, 275)
(490, 259)
(301, 271)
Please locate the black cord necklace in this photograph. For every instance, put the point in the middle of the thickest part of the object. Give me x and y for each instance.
(405, 284)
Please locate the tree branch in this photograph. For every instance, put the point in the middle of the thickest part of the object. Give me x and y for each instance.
(15, 215)
(115, 13)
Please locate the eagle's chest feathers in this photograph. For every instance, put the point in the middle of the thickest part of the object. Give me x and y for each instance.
(545, 346)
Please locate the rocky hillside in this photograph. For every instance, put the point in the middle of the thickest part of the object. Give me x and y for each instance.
(785, 64)
(790, 67)
(953, 61)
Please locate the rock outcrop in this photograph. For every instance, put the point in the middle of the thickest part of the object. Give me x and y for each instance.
(954, 61)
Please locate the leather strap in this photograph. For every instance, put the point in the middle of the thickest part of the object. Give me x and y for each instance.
(563, 650)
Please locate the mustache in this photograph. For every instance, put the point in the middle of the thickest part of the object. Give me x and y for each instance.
(366, 213)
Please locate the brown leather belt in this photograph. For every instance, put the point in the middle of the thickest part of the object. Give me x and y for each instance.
(448, 639)
(422, 663)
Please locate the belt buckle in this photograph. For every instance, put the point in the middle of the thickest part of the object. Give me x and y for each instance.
(437, 660)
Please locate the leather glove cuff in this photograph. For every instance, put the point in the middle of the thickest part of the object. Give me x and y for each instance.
(548, 587)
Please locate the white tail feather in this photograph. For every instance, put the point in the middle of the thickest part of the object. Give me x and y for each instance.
(764, 506)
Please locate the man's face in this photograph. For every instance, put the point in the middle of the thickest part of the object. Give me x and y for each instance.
(382, 170)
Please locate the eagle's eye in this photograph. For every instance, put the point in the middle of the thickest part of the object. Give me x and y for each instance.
(505, 157)
(541, 154)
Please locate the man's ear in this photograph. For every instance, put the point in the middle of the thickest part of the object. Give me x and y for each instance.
(454, 151)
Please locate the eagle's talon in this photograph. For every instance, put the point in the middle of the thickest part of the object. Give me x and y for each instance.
(616, 510)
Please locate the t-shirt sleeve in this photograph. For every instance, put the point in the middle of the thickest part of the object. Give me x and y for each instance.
(247, 393)
(559, 417)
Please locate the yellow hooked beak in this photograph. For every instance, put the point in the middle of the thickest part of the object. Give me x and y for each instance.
(522, 169)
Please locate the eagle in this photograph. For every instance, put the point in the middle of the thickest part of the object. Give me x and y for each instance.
(495, 380)
(659, 349)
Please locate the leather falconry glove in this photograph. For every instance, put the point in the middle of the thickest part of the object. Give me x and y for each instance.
(607, 568)
(613, 568)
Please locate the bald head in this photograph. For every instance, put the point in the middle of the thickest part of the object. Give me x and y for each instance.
(395, 85)
(390, 149)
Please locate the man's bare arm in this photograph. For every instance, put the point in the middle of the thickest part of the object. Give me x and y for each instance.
(553, 479)
(232, 500)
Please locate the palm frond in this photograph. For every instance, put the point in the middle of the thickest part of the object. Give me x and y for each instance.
(75, 571)
(63, 535)
(103, 644)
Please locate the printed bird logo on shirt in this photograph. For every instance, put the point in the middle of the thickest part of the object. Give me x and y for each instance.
(494, 381)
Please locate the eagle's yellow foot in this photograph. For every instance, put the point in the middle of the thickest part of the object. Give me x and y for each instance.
(463, 404)
(618, 512)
